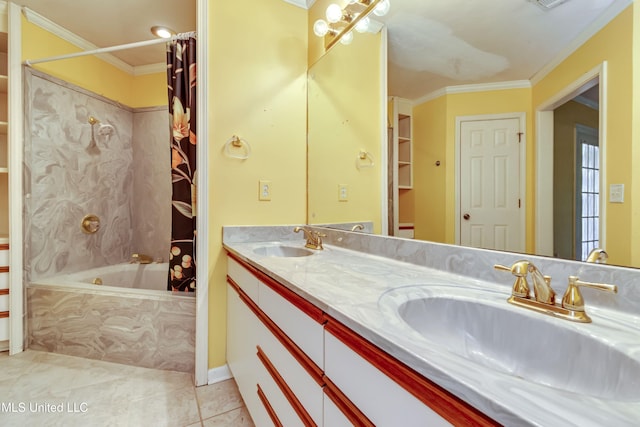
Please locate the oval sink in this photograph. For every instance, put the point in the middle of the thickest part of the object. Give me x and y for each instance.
(282, 251)
(487, 331)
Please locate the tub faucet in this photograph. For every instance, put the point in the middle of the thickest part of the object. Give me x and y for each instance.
(314, 238)
(141, 259)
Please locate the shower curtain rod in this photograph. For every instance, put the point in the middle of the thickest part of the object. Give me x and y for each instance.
(111, 49)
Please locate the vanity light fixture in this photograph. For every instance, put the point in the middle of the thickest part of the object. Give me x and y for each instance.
(340, 22)
(162, 32)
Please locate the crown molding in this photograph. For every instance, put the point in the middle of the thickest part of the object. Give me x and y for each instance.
(160, 67)
(74, 39)
(305, 4)
(609, 14)
(481, 87)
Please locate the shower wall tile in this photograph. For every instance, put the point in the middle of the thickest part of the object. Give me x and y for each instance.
(147, 332)
(69, 172)
(152, 182)
(75, 170)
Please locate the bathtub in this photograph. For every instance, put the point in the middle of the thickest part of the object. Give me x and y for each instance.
(131, 318)
(119, 278)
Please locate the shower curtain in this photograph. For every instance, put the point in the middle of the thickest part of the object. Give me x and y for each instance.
(181, 80)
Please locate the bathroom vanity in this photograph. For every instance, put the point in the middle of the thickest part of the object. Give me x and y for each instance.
(384, 331)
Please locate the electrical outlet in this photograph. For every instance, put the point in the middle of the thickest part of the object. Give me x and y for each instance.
(616, 193)
(264, 190)
(343, 192)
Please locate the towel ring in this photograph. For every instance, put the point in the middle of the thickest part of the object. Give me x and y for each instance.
(235, 144)
(364, 160)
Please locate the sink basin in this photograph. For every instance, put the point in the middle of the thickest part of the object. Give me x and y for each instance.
(481, 327)
(282, 251)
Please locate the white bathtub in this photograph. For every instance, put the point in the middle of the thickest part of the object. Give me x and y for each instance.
(150, 279)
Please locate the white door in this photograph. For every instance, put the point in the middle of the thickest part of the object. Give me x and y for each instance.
(490, 199)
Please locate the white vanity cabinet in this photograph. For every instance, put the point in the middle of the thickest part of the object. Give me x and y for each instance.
(242, 338)
(276, 357)
(297, 366)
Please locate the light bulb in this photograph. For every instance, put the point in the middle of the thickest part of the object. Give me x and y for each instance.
(382, 8)
(347, 38)
(334, 13)
(162, 32)
(320, 28)
(363, 25)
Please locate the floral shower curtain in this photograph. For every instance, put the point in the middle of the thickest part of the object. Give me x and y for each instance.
(181, 80)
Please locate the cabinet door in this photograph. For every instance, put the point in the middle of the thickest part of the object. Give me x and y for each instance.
(306, 389)
(380, 398)
(333, 416)
(242, 331)
(306, 332)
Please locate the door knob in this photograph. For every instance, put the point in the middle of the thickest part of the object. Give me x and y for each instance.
(466, 216)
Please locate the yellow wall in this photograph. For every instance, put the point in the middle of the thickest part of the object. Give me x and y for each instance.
(634, 191)
(614, 45)
(344, 118)
(258, 91)
(434, 139)
(429, 180)
(90, 72)
(565, 119)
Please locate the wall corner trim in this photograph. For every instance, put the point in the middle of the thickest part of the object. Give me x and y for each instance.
(219, 374)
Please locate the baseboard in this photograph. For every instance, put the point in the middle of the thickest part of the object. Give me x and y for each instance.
(221, 373)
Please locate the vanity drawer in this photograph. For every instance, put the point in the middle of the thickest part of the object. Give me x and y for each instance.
(4, 328)
(4, 278)
(306, 387)
(4, 254)
(243, 277)
(4, 302)
(305, 331)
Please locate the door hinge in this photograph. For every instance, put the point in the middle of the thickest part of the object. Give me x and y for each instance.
(520, 136)
(519, 203)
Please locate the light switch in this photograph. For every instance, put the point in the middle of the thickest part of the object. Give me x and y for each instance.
(616, 193)
(343, 192)
(264, 190)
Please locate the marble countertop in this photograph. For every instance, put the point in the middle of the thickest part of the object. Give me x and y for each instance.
(348, 285)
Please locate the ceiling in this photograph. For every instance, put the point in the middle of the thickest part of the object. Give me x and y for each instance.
(114, 22)
(432, 44)
(438, 43)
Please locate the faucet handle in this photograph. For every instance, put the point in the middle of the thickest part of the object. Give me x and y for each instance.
(573, 300)
(519, 269)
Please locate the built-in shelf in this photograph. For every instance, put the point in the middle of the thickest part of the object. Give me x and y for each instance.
(4, 170)
(401, 120)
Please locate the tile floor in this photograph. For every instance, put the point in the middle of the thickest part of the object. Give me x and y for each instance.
(47, 389)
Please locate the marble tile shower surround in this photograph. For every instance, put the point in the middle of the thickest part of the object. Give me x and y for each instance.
(63, 182)
(471, 262)
(151, 182)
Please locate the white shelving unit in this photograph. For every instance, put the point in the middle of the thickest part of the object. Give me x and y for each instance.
(402, 156)
(4, 189)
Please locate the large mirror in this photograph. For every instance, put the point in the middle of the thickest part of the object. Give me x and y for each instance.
(432, 51)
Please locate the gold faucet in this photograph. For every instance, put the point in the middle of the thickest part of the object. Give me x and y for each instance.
(314, 238)
(598, 255)
(141, 259)
(357, 227)
(543, 301)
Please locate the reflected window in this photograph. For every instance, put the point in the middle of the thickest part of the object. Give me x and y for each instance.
(587, 191)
